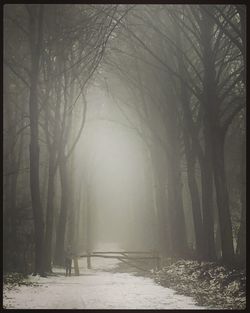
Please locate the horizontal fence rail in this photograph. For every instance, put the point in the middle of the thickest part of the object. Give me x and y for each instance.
(123, 256)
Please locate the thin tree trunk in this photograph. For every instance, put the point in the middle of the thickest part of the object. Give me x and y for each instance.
(214, 146)
(223, 200)
(163, 235)
(176, 213)
(195, 199)
(77, 221)
(61, 228)
(88, 226)
(13, 203)
(36, 41)
(208, 103)
(207, 207)
(53, 147)
(241, 244)
(218, 241)
(189, 140)
(50, 213)
(163, 228)
(72, 203)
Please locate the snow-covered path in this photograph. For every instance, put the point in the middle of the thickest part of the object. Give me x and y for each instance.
(97, 288)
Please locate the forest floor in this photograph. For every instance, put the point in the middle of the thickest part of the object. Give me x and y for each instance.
(111, 284)
(209, 283)
(105, 286)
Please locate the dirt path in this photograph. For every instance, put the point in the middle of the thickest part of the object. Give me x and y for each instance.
(98, 288)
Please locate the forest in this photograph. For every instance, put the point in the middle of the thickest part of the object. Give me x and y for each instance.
(124, 123)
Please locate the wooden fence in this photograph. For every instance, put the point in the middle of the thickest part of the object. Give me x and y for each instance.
(123, 256)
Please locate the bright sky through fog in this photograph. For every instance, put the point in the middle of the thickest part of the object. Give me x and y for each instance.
(112, 158)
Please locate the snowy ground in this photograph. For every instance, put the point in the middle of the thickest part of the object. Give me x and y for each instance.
(98, 288)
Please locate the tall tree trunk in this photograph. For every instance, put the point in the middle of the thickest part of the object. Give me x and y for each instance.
(214, 136)
(77, 220)
(72, 203)
(222, 198)
(190, 142)
(175, 206)
(217, 241)
(195, 199)
(50, 212)
(52, 147)
(165, 245)
(241, 244)
(10, 220)
(163, 227)
(36, 35)
(61, 227)
(207, 205)
(13, 212)
(209, 103)
(13, 150)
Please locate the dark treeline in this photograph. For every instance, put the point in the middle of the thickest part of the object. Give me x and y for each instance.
(177, 73)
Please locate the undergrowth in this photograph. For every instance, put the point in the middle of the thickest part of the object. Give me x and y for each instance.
(209, 283)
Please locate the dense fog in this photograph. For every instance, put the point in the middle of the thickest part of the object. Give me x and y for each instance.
(123, 124)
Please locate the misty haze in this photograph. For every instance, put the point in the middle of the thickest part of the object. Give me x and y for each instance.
(124, 156)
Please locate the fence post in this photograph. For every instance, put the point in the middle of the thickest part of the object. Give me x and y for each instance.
(158, 261)
(88, 225)
(76, 267)
(88, 260)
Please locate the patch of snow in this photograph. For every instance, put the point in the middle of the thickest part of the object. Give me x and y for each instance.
(95, 288)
